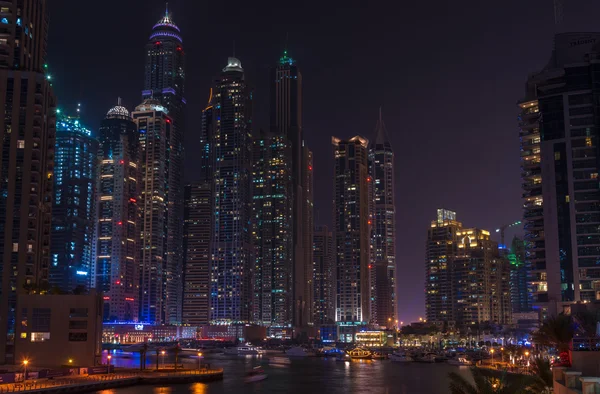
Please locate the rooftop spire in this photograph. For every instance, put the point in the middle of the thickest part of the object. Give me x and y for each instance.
(381, 135)
(167, 9)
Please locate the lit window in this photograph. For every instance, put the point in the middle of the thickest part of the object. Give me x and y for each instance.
(556, 155)
(40, 336)
(23, 335)
(15, 247)
(5, 21)
(21, 144)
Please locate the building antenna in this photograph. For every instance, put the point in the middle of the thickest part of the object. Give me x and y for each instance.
(558, 12)
(287, 37)
(167, 9)
(119, 101)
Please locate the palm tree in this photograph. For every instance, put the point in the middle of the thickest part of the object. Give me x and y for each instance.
(558, 332)
(586, 322)
(543, 380)
(487, 384)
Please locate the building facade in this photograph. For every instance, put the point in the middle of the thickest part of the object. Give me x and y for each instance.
(324, 276)
(27, 138)
(519, 285)
(197, 225)
(272, 209)
(381, 169)
(467, 278)
(165, 82)
(286, 120)
(351, 229)
(232, 252)
(559, 151)
(118, 210)
(74, 206)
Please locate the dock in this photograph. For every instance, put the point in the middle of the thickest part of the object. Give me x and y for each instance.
(85, 384)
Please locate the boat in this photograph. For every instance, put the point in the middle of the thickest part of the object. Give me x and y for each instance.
(400, 358)
(379, 356)
(245, 350)
(256, 375)
(459, 361)
(280, 361)
(426, 358)
(359, 354)
(296, 351)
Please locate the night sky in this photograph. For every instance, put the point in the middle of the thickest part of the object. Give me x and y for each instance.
(447, 75)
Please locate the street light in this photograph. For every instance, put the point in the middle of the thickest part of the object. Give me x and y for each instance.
(70, 361)
(108, 358)
(492, 351)
(527, 355)
(163, 357)
(502, 353)
(25, 362)
(199, 355)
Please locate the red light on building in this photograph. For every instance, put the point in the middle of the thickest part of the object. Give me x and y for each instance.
(369, 179)
(128, 299)
(157, 43)
(179, 49)
(369, 222)
(119, 223)
(122, 162)
(309, 168)
(370, 266)
(132, 200)
(118, 282)
(105, 298)
(168, 120)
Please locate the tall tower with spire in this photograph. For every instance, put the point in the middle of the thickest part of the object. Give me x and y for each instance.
(381, 169)
(164, 82)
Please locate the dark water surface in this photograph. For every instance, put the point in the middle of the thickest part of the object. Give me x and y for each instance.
(309, 376)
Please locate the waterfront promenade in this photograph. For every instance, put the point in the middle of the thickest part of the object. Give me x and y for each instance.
(87, 383)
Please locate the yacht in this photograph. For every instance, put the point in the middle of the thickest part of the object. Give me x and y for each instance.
(400, 358)
(379, 356)
(426, 358)
(296, 351)
(256, 375)
(244, 350)
(459, 361)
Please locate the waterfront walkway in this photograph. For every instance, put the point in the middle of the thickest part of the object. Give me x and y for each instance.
(87, 383)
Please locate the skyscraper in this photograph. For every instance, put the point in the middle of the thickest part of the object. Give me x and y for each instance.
(74, 208)
(118, 230)
(232, 251)
(351, 229)
(159, 278)
(381, 169)
(286, 120)
(198, 222)
(27, 137)
(519, 286)
(272, 209)
(467, 279)
(324, 276)
(559, 144)
(165, 82)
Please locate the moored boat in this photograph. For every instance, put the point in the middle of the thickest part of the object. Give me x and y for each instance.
(256, 375)
(426, 358)
(379, 356)
(459, 361)
(296, 351)
(245, 350)
(401, 358)
(359, 354)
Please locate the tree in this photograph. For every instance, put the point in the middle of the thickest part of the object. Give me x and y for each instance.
(586, 322)
(487, 384)
(558, 332)
(543, 380)
(176, 350)
(157, 353)
(143, 351)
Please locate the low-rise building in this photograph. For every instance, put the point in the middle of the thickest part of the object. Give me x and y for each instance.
(54, 330)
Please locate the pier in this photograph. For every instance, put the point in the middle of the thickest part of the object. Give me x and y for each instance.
(84, 384)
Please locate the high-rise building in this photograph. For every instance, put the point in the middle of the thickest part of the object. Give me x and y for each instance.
(118, 210)
(272, 210)
(27, 137)
(159, 275)
(165, 82)
(232, 252)
(198, 222)
(351, 229)
(559, 152)
(324, 276)
(467, 278)
(519, 286)
(286, 120)
(381, 169)
(74, 207)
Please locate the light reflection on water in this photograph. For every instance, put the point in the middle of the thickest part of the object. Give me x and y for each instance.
(304, 376)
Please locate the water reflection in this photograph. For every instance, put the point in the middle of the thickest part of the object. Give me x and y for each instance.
(162, 390)
(199, 388)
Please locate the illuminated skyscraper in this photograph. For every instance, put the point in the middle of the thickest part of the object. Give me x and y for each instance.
(559, 155)
(351, 230)
(232, 250)
(27, 138)
(198, 222)
(286, 120)
(118, 231)
(381, 163)
(159, 275)
(324, 276)
(74, 208)
(165, 82)
(519, 287)
(467, 279)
